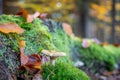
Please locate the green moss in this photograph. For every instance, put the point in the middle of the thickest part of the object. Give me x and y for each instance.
(104, 56)
(38, 37)
(16, 19)
(114, 51)
(9, 50)
(9, 40)
(62, 71)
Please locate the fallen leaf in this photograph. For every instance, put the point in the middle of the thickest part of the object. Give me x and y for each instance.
(30, 70)
(67, 28)
(30, 63)
(34, 61)
(36, 14)
(33, 65)
(21, 43)
(116, 45)
(29, 17)
(11, 28)
(23, 58)
(105, 44)
(24, 13)
(19, 13)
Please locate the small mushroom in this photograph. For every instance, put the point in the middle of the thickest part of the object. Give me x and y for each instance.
(53, 55)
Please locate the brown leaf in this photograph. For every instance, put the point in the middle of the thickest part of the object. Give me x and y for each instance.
(23, 58)
(105, 44)
(21, 43)
(33, 65)
(24, 13)
(36, 14)
(20, 13)
(116, 45)
(67, 28)
(11, 28)
(29, 17)
(34, 61)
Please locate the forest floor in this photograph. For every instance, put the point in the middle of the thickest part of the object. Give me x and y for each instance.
(105, 75)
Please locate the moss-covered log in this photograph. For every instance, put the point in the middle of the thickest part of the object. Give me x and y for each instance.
(37, 36)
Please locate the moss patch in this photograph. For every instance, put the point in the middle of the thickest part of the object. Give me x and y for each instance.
(63, 71)
(9, 51)
(96, 54)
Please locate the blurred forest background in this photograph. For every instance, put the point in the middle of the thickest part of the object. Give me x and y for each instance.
(88, 18)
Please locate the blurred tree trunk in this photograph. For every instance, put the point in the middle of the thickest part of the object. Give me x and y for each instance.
(83, 17)
(113, 22)
(8, 8)
(1, 6)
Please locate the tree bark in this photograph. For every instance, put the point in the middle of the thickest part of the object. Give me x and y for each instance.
(80, 29)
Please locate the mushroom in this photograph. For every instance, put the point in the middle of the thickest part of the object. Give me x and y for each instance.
(53, 55)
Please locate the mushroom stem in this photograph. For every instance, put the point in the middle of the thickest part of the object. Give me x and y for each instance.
(53, 55)
(52, 61)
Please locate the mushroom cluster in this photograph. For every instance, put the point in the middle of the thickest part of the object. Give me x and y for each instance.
(53, 55)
